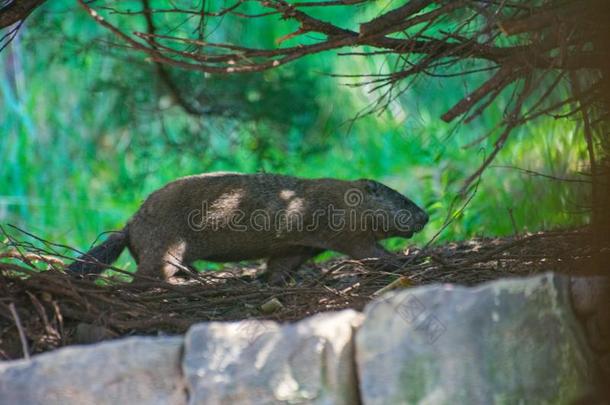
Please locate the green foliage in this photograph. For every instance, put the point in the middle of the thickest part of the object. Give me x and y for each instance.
(88, 130)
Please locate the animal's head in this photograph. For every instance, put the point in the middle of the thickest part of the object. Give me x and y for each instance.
(404, 216)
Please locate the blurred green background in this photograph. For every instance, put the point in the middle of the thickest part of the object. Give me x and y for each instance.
(88, 130)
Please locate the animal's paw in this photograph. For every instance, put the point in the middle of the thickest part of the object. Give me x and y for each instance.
(280, 278)
(276, 278)
(180, 280)
(391, 264)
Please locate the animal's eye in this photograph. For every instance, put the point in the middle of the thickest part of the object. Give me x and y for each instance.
(372, 186)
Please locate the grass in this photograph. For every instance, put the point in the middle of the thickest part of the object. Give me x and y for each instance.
(86, 136)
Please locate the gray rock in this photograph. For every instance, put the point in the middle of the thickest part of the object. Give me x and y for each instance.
(598, 331)
(262, 362)
(508, 341)
(137, 370)
(604, 363)
(590, 294)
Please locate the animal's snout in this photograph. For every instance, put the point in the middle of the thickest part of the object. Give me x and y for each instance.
(422, 218)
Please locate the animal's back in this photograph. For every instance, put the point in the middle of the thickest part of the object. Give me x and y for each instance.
(247, 192)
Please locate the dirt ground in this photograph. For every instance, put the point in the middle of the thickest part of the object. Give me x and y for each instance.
(43, 310)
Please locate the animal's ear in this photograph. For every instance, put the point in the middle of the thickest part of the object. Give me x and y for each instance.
(370, 186)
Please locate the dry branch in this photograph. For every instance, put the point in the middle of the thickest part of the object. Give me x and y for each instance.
(505, 41)
(55, 304)
(16, 11)
(497, 82)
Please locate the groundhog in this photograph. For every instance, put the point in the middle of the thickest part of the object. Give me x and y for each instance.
(226, 217)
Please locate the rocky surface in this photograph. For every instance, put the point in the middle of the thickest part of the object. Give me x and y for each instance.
(137, 370)
(591, 301)
(510, 341)
(541, 340)
(257, 362)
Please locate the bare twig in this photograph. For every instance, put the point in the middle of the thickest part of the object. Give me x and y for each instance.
(127, 308)
(22, 338)
(538, 174)
(17, 11)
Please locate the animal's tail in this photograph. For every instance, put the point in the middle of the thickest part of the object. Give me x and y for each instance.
(101, 256)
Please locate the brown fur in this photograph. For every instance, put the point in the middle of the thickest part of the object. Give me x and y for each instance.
(168, 230)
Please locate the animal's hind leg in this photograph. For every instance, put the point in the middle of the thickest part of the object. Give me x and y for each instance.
(150, 265)
(173, 262)
(162, 262)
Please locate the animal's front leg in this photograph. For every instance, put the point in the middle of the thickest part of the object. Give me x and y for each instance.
(280, 267)
(372, 251)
